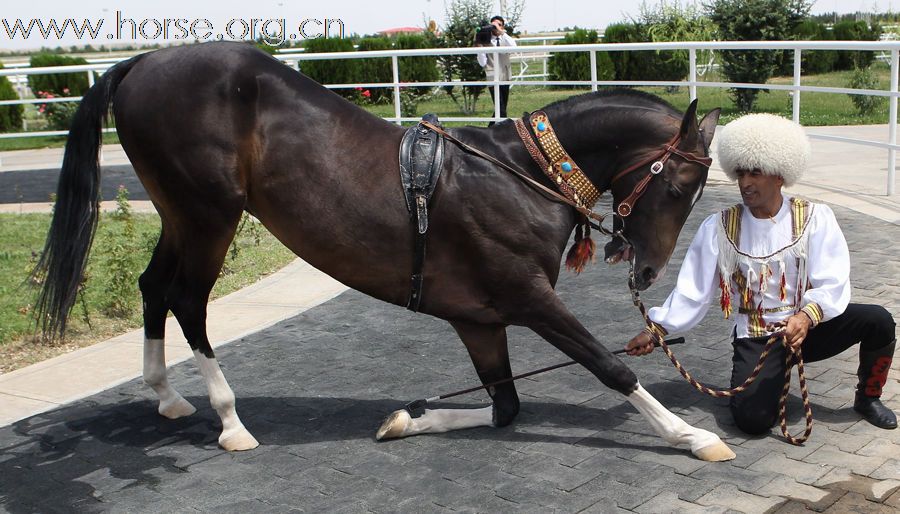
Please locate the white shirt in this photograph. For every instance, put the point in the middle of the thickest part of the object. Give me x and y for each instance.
(697, 287)
(486, 61)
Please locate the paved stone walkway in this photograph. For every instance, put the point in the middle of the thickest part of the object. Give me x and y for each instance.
(314, 388)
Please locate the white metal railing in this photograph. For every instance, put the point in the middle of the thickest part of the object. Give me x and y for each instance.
(891, 48)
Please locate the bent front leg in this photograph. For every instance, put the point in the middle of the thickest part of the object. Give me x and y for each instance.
(556, 324)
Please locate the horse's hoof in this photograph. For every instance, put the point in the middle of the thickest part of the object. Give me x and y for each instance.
(394, 426)
(176, 407)
(716, 452)
(237, 439)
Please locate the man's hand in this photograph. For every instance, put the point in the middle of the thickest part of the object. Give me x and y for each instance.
(641, 344)
(794, 329)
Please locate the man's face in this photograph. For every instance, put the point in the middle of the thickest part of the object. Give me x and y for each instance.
(498, 27)
(759, 190)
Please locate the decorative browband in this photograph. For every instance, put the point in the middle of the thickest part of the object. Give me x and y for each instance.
(558, 165)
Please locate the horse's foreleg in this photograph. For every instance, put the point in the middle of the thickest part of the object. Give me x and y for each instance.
(556, 324)
(153, 284)
(674, 430)
(488, 349)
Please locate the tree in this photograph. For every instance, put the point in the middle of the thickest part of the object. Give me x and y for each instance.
(754, 20)
(463, 18)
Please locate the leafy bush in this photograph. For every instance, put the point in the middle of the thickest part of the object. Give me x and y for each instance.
(10, 115)
(59, 114)
(331, 71)
(855, 31)
(753, 20)
(812, 61)
(865, 78)
(375, 69)
(417, 69)
(56, 83)
(577, 65)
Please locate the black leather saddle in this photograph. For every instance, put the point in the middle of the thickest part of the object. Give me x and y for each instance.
(421, 160)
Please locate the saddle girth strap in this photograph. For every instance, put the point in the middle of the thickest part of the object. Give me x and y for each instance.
(421, 161)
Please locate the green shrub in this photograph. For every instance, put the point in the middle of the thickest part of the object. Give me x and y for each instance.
(57, 83)
(648, 64)
(855, 31)
(812, 61)
(376, 69)
(332, 71)
(417, 69)
(10, 115)
(865, 78)
(577, 65)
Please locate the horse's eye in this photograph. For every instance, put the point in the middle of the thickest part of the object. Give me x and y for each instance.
(674, 191)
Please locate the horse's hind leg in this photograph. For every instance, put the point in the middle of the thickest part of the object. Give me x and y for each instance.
(202, 251)
(488, 349)
(153, 284)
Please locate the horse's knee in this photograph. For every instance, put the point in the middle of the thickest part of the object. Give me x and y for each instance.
(617, 376)
(506, 405)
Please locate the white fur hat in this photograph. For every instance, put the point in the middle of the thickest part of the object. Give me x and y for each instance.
(769, 143)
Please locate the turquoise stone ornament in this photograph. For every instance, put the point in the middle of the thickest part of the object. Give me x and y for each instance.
(541, 126)
(566, 166)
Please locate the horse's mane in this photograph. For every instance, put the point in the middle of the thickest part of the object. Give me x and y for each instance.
(634, 97)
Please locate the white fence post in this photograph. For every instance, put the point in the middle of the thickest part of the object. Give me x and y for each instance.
(892, 136)
(593, 70)
(90, 78)
(692, 77)
(795, 108)
(395, 69)
(496, 86)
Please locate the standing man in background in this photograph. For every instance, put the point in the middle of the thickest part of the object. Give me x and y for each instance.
(502, 68)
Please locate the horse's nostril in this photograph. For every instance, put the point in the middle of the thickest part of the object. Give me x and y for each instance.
(648, 274)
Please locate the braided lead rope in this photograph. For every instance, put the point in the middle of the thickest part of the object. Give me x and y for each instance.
(790, 360)
(792, 357)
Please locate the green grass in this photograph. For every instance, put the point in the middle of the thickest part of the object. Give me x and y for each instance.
(255, 253)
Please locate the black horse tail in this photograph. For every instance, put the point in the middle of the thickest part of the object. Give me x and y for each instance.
(75, 214)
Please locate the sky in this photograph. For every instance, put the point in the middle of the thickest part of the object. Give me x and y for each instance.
(176, 21)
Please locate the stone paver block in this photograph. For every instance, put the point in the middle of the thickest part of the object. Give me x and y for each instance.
(860, 464)
(731, 497)
(778, 464)
(669, 502)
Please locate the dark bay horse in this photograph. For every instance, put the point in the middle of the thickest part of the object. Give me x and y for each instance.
(216, 129)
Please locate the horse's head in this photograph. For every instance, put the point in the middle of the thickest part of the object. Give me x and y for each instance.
(656, 217)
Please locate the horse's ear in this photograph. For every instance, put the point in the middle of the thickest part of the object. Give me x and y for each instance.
(690, 119)
(708, 126)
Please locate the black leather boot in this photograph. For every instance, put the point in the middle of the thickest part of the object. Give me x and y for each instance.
(872, 373)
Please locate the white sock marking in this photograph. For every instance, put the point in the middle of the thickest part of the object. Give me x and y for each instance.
(445, 420)
(670, 427)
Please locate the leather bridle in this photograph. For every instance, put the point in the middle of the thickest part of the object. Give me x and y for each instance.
(658, 161)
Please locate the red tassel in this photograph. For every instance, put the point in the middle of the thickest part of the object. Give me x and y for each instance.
(725, 299)
(581, 252)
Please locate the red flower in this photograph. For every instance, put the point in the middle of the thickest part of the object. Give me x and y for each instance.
(367, 93)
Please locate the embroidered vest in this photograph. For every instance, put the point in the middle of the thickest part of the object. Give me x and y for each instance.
(760, 268)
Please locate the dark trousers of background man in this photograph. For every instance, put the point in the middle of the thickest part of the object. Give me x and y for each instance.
(504, 98)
